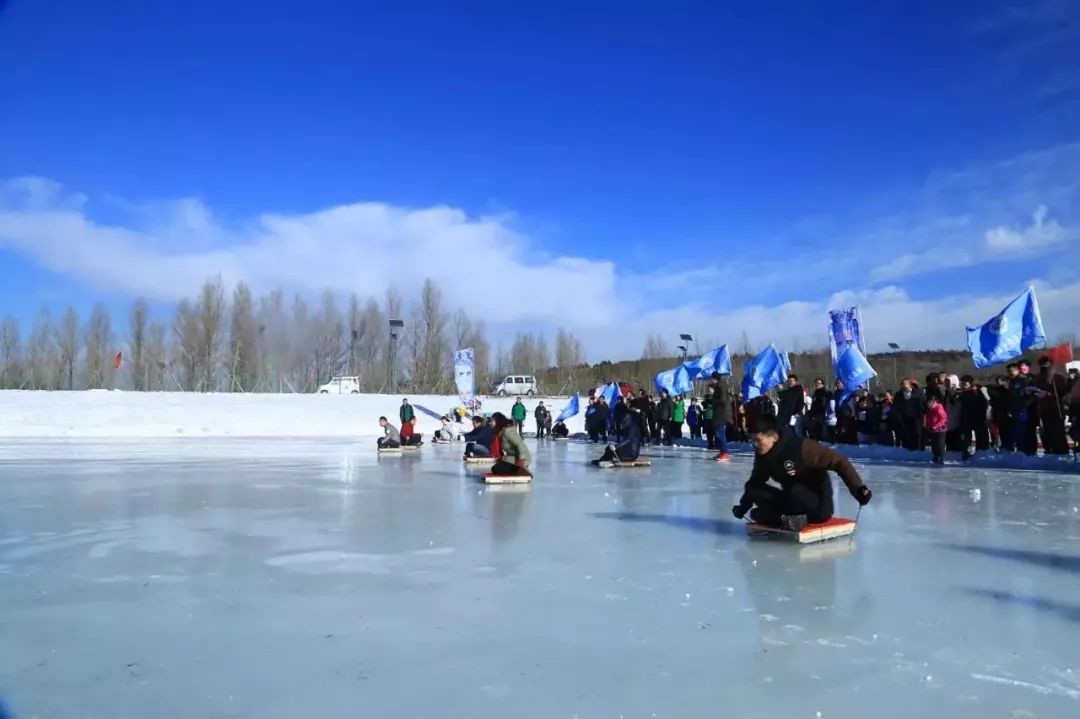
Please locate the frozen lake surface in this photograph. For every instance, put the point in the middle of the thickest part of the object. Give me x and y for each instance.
(312, 578)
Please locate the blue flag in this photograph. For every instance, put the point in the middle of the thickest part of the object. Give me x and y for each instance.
(676, 381)
(716, 360)
(787, 362)
(1015, 330)
(845, 328)
(572, 407)
(763, 373)
(610, 393)
(853, 370)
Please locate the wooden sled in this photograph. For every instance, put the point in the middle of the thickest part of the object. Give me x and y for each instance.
(490, 478)
(626, 465)
(831, 529)
(389, 450)
(411, 447)
(479, 460)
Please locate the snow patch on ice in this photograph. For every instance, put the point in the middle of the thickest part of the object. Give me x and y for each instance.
(329, 562)
(1045, 690)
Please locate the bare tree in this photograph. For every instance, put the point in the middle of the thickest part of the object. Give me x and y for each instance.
(10, 354)
(98, 355)
(355, 332)
(67, 344)
(502, 360)
(211, 321)
(302, 338)
(371, 347)
(275, 345)
(156, 357)
(529, 354)
(329, 346)
(435, 355)
(243, 342)
(43, 359)
(655, 348)
(137, 325)
(187, 335)
(568, 351)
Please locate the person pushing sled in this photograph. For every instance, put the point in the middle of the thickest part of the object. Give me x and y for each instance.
(801, 467)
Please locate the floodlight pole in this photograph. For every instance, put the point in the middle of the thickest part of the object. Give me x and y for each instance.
(391, 375)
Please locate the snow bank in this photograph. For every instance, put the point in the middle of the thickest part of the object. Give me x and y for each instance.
(183, 414)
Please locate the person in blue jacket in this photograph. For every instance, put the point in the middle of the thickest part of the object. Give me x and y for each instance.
(478, 441)
(629, 447)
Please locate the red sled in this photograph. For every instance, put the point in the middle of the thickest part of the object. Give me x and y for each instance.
(829, 529)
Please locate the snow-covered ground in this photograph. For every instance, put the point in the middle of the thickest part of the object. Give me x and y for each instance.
(189, 414)
(306, 577)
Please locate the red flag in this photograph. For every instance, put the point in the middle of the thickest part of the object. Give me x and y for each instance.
(118, 360)
(1061, 354)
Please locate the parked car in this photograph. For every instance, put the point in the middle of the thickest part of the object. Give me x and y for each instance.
(341, 385)
(515, 384)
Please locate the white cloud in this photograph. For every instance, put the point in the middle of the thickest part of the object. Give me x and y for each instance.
(498, 274)
(1041, 233)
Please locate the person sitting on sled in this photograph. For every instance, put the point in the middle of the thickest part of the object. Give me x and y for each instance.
(391, 438)
(559, 430)
(408, 433)
(447, 432)
(509, 447)
(478, 441)
(801, 467)
(629, 447)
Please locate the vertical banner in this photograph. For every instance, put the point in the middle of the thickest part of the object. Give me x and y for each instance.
(463, 376)
(845, 330)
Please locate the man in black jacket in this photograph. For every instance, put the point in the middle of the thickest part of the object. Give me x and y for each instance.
(1023, 408)
(1000, 417)
(819, 407)
(541, 415)
(643, 405)
(974, 404)
(792, 401)
(665, 408)
(908, 410)
(801, 467)
(721, 406)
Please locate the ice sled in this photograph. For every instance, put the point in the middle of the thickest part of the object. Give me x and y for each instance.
(831, 529)
(490, 478)
(626, 465)
(389, 450)
(411, 447)
(479, 460)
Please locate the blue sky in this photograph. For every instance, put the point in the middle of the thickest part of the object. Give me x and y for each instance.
(617, 168)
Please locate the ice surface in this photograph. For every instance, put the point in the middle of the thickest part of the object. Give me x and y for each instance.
(312, 578)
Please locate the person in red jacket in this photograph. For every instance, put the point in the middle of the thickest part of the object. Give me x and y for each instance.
(936, 422)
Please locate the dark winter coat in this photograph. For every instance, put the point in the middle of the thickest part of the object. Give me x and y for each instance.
(665, 408)
(541, 413)
(482, 436)
(973, 406)
(908, 407)
(819, 404)
(792, 401)
(630, 431)
(795, 460)
(1021, 398)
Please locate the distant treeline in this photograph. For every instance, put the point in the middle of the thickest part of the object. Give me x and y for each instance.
(232, 341)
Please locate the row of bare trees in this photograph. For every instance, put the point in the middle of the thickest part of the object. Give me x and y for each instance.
(235, 342)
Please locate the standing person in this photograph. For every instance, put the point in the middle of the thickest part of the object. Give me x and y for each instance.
(792, 405)
(936, 422)
(819, 406)
(952, 409)
(1074, 411)
(708, 415)
(602, 414)
(1023, 404)
(517, 413)
(801, 467)
(722, 411)
(643, 406)
(974, 405)
(509, 448)
(908, 410)
(1051, 404)
(406, 413)
(693, 418)
(1000, 417)
(618, 411)
(665, 409)
(541, 415)
(678, 416)
(590, 421)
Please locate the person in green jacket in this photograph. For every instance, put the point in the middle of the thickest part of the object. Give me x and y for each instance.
(518, 415)
(678, 416)
(406, 413)
(708, 415)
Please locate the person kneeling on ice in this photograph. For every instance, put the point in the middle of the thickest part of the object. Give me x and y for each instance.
(391, 438)
(629, 447)
(408, 433)
(510, 448)
(801, 467)
(559, 431)
(478, 441)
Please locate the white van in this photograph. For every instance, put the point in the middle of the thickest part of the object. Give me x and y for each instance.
(515, 384)
(341, 385)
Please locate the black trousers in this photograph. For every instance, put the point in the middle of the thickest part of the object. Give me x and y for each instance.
(910, 433)
(979, 433)
(385, 443)
(508, 469)
(937, 446)
(1055, 441)
(771, 503)
(540, 429)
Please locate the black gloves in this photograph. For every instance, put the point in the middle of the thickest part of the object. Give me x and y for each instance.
(862, 495)
(739, 511)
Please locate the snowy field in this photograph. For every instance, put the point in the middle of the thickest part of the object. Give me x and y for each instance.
(304, 577)
(189, 414)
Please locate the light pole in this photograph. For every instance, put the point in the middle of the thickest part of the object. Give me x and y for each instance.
(686, 339)
(391, 375)
(895, 352)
